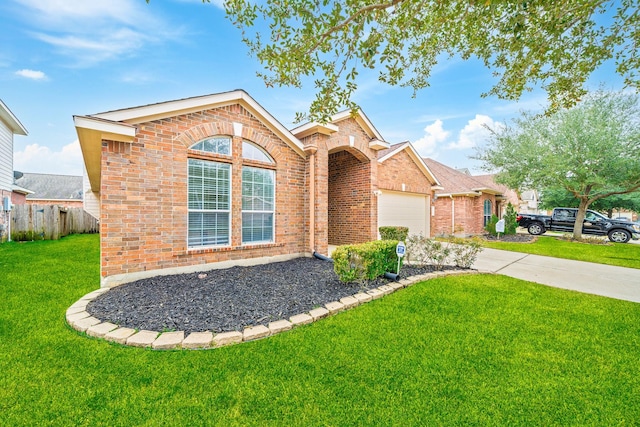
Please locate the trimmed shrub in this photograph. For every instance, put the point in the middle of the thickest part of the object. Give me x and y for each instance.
(510, 220)
(491, 225)
(366, 261)
(424, 251)
(397, 233)
(464, 251)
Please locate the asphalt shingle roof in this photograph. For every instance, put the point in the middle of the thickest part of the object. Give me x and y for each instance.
(51, 187)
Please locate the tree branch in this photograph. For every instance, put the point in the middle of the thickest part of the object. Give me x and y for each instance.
(361, 11)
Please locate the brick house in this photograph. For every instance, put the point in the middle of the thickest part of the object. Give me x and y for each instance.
(211, 181)
(464, 203)
(406, 189)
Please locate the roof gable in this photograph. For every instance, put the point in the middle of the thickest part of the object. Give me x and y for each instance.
(376, 142)
(120, 125)
(457, 183)
(413, 154)
(11, 121)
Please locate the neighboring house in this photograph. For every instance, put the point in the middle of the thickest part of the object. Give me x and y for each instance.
(530, 202)
(207, 181)
(508, 195)
(406, 187)
(48, 189)
(465, 203)
(9, 191)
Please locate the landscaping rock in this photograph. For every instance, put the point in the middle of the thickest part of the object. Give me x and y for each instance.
(198, 340)
(168, 340)
(229, 299)
(227, 338)
(255, 332)
(120, 335)
(142, 339)
(101, 329)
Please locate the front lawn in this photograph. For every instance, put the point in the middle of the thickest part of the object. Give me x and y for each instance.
(620, 254)
(464, 350)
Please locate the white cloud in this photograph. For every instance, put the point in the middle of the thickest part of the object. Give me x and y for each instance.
(56, 13)
(37, 158)
(434, 134)
(474, 133)
(103, 47)
(91, 32)
(31, 74)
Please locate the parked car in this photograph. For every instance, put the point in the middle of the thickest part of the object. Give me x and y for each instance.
(563, 219)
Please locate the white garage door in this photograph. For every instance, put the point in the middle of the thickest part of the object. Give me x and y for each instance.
(404, 209)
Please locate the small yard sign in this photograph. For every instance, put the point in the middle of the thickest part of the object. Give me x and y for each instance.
(500, 227)
(400, 250)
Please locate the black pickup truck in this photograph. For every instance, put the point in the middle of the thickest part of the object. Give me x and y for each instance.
(563, 219)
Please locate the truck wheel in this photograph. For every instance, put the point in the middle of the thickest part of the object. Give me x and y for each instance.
(536, 229)
(619, 236)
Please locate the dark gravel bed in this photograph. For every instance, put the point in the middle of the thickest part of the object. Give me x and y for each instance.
(229, 299)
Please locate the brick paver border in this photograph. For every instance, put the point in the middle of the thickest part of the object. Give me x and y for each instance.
(79, 319)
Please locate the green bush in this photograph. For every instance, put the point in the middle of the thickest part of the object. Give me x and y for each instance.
(510, 220)
(491, 226)
(464, 251)
(424, 251)
(365, 261)
(397, 233)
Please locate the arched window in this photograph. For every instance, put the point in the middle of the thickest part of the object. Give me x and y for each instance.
(215, 145)
(258, 196)
(251, 151)
(487, 212)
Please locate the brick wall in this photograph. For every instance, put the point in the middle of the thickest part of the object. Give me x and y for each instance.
(349, 199)
(347, 148)
(363, 213)
(469, 215)
(144, 193)
(401, 169)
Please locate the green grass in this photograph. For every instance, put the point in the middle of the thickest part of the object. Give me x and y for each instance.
(620, 254)
(465, 350)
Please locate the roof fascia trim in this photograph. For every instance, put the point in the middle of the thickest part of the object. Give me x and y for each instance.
(11, 120)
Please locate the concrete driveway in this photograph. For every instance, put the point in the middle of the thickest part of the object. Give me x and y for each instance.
(598, 279)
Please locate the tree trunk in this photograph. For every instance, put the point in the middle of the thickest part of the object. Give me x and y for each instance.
(610, 213)
(582, 211)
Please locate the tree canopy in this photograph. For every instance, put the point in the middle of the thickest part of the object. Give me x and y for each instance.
(590, 151)
(554, 197)
(554, 44)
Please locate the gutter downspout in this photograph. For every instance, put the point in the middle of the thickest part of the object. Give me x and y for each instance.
(453, 214)
(311, 149)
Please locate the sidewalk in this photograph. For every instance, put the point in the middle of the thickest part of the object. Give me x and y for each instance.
(599, 279)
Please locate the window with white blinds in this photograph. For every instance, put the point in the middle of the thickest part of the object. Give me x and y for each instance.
(209, 203)
(258, 204)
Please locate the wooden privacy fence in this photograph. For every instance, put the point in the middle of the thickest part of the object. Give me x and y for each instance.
(49, 222)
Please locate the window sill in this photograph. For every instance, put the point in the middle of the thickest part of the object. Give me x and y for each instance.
(192, 251)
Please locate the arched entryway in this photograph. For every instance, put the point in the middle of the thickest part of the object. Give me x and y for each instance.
(350, 199)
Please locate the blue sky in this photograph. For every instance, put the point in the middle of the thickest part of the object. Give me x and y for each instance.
(60, 58)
